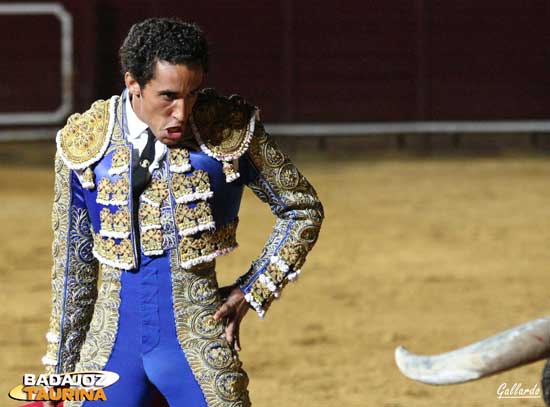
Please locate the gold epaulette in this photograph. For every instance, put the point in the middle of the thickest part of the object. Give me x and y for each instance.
(85, 137)
(223, 127)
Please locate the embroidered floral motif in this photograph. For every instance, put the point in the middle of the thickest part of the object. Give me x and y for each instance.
(113, 193)
(116, 225)
(275, 273)
(155, 193)
(101, 336)
(151, 242)
(149, 216)
(104, 191)
(207, 246)
(188, 188)
(85, 137)
(214, 363)
(293, 254)
(192, 220)
(179, 159)
(108, 252)
(120, 191)
(121, 160)
(74, 276)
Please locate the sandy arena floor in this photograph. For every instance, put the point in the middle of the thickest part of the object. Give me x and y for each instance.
(429, 253)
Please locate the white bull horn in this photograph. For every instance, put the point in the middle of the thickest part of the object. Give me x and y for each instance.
(518, 346)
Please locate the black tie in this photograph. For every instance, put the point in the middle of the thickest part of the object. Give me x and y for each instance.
(140, 173)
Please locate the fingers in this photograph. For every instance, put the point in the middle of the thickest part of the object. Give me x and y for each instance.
(237, 339)
(232, 310)
(222, 312)
(230, 331)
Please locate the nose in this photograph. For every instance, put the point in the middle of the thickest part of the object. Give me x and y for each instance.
(179, 112)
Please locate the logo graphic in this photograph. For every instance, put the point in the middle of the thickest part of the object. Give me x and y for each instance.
(74, 386)
(518, 391)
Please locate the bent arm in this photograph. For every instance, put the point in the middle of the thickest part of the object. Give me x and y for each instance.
(294, 202)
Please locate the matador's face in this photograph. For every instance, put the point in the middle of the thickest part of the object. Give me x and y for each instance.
(166, 101)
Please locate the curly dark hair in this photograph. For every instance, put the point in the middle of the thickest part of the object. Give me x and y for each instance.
(162, 39)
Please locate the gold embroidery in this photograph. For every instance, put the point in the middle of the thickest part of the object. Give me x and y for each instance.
(230, 172)
(89, 179)
(115, 224)
(151, 242)
(188, 188)
(288, 176)
(113, 193)
(179, 159)
(223, 125)
(193, 220)
(260, 292)
(121, 189)
(293, 254)
(104, 190)
(275, 273)
(60, 222)
(299, 216)
(215, 365)
(224, 128)
(155, 193)
(107, 251)
(195, 250)
(120, 161)
(85, 137)
(100, 339)
(149, 215)
(72, 265)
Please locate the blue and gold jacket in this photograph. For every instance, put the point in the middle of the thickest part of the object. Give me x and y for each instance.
(188, 211)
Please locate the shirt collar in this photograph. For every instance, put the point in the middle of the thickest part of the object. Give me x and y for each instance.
(135, 126)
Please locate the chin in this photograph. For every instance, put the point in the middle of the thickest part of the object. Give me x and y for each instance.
(169, 141)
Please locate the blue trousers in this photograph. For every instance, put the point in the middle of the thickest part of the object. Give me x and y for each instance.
(146, 353)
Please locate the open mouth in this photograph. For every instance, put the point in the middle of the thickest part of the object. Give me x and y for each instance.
(174, 132)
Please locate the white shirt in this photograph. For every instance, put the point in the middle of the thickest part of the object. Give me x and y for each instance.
(137, 136)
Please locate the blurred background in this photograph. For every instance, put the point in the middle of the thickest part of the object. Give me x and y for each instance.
(424, 126)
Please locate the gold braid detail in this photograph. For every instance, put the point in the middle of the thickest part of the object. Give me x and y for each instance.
(85, 137)
(215, 365)
(100, 340)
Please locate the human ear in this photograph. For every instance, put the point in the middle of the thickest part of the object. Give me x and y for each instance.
(132, 85)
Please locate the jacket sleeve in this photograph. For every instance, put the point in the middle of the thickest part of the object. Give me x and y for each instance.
(294, 202)
(74, 273)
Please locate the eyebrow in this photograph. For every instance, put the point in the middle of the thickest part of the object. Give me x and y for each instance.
(169, 92)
